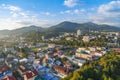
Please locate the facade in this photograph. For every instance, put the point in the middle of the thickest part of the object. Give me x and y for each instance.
(86, 38)
(84, 56)
(30, 75)
(78, 32)
(9, 49)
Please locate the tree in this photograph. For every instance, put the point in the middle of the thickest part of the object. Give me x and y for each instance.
(24, 55)
(109, 69)
(64, 59)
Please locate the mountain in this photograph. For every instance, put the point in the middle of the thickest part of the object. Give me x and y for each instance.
(55, 30)
(27, 29)
(72, 27)
(22, 30)
(4, 32)
(64, 27)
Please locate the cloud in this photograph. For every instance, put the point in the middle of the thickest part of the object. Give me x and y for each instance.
(32, 22)
(15, 11)
(11, 23)
(111, 8)
(71, 3)
(18, 17)
(46, 13)
(10, 7)
(107, 14)
(49, 14)
(72, 12)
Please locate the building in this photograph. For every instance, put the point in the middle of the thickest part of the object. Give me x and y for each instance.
(61, 70)
(22, 70)
(117, 50)
(9, 49)
(2, 59)
(67, 64)
(9, 78)
(4, 71)
(49, 76)
(92, 48)
(43, 38)
(78, 32)
(51, 45)
(80, 49)
(86, 38)
(83, 55)
(79, 61)
(30, 75)
(69, 38)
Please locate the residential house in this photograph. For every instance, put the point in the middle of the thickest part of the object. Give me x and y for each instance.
(84, 55)
(61, 70)
(4, 71)
(30, 75)
(9, 78)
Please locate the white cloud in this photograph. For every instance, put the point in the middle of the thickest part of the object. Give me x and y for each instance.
(25, 15)
(15, 11)
(70, 3)
(107, 14)
(11, 23)
(10, 7)
(72, 12)
(46, 13)
(32, 22)
(111, 8)
(18, 17)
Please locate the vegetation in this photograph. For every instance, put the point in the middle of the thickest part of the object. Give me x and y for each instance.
(24, 52)
(36, 31)
(64, 59)
(81, 43)
(106, 68)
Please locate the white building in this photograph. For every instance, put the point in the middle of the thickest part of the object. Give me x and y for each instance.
(86, 38)
(43, 38)
(51, 45)
(9, 49)
(78, 32)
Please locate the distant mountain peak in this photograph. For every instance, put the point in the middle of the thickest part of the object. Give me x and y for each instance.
(90, 23)
(65, 26)
(34, 26)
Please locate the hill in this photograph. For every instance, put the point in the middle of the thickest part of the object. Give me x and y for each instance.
(72, 27)
(58, 29)
(22, 30)
(106, 68)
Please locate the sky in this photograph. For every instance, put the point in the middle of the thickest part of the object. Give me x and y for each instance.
(45, 13)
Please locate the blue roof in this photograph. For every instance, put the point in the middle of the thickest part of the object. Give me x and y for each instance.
(48, 76)
(1, 75)
(38, 78)
(7, 72)
(41, 69)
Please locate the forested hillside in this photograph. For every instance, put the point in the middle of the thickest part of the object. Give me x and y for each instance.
(106, 68)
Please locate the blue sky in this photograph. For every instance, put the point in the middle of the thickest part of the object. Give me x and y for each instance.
(19, 13)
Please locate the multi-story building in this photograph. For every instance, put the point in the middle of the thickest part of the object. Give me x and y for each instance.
(78, 32)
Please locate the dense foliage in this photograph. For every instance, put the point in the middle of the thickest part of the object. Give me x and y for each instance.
(106, 68)
(80, 43)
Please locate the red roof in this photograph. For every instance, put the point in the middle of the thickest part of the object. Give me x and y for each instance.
(9, 78)
(61, 69)
(3, 68)
(117, 50)
(31, 74)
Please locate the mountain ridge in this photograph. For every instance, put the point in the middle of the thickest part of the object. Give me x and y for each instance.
(83, 26)
(65, 26)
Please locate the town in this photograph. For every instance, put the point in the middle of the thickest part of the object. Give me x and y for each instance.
(53, 58)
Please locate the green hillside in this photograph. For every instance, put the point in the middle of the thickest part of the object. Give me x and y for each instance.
(106, 68)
